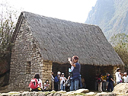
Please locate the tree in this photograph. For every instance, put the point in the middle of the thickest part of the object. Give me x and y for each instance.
(120, 44)
(7, 27)
(120, 38)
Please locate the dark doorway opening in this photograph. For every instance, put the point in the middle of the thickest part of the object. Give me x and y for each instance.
(63, 68)
(88, 72)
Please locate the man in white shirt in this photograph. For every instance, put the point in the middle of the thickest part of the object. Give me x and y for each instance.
(118, 76)
(62, 82)
(125, 77)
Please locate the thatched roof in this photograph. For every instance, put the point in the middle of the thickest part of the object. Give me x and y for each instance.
(60, 39)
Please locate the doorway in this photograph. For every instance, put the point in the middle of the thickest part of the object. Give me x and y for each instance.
(88, 72)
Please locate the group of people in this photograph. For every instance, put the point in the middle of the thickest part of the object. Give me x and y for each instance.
(37, 85)
(73, 82)
(59, 82)
(121, 77)
(106, 82)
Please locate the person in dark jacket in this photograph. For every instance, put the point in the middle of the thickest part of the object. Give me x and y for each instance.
(75, 68)
(110, 84)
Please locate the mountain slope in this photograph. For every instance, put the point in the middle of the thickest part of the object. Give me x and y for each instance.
(111, 16)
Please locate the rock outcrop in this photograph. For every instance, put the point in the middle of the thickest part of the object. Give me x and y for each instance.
(121, 88)
(110, 15)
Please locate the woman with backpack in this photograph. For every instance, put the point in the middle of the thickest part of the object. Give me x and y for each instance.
(36, 83)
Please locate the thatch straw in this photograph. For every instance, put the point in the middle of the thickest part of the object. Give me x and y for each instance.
(60, 39)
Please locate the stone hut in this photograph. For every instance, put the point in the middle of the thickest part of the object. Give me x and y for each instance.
(43, 44)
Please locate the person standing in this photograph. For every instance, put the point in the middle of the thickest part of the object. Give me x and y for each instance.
(118, 76)
(110, 84)
(125, 77)
(52, 80)
(62, 82)
(56, 83)
(100, 79)
(104, 82)
(75, 67)
(107, 81)
(58, 80)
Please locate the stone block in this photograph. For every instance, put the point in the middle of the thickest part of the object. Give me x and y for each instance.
(106, 94)
(91, 94)
(81, 91)
(121, 88)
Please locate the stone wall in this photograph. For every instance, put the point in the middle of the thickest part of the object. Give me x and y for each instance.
(46, 71)
(26, 59)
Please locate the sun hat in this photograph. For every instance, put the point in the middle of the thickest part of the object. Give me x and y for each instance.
(58, 72)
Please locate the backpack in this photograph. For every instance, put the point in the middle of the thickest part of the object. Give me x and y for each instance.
(33, 84)
(56, 79)
(99, 80)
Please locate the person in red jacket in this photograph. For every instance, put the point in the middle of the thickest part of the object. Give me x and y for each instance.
(36, 84)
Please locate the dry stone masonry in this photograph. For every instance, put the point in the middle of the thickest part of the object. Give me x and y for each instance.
(26, 60)
(41, 43)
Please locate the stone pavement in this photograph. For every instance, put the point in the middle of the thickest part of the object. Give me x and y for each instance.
(80, 92)
(119, 90)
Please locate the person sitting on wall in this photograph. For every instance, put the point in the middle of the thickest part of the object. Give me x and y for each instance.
(36, 84)
(46, 85)
(75, 67)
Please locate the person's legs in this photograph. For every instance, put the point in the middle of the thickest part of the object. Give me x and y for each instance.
(56, 86)
(61, 86)
(71, 85)
(108, 89)
(111, 86)
(37, 89)
(52, 85)
(76, 84)
(100, 86)
(80, 81)
(103, 83)
(107, 85)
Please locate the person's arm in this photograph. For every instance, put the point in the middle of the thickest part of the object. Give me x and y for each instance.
(41, 84)
(72, 64)
(102, 79)
(112, 79)
(60, 78)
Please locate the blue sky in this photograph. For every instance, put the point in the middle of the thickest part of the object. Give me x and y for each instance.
(72, 10)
